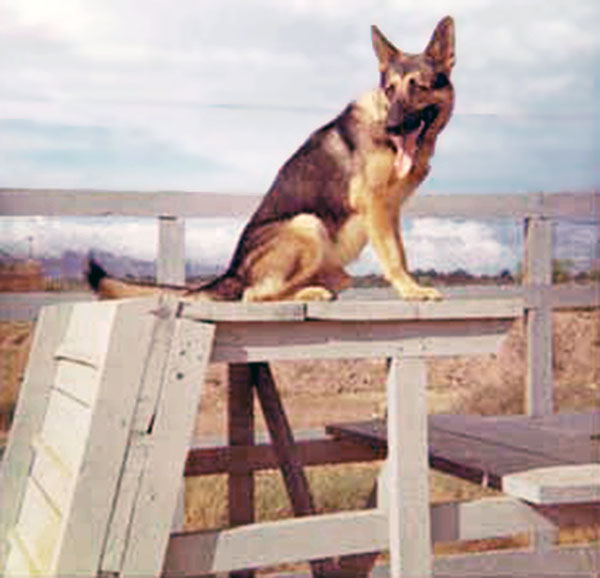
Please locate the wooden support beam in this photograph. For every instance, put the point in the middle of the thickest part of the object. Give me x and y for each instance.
(97, 202)
(271, 543)
(538, 273)
(317, 452)
(349, 534)
(407, 469)
(320, 339)
(573, 561)
(282, 438)
(170, 267)
(241, 436)
(168, 438)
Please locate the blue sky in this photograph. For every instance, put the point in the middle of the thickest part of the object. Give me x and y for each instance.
(215, 95)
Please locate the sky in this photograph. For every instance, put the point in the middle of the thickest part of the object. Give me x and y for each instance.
(214, 95)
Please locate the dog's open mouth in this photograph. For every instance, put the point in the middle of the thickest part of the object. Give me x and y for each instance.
(408, 136)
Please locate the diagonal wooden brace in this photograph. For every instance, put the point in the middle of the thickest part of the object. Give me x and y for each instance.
(282, 438)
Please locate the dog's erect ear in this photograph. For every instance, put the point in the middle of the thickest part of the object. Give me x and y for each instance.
(384, 49)
(441, 46)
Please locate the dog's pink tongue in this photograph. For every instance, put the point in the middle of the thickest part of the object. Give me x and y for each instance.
(407, 148)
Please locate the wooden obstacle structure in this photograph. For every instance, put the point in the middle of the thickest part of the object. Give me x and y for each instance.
(92, 472)
(104, 419)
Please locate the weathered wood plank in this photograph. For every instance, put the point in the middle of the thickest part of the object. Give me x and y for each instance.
(296, 540)
(170, 266)
(140, 425)
(415, 310)
(572, 205)
(478, 461)
(85, 529)
(169, 440)
(29, 416)
(348, 533)
(252, 342)
(485, 518)
(562, 296)
(462, 453)
(95, 202)
(537, 436)
(499, 308)
(372, 433)
(568, 296)
(481, 302)
(61, 533)
(538, 271)
(578, 484)
(407, 471)
(241, 311)
(575, 562)
(473, 206)
(571, 423)
(219, 460)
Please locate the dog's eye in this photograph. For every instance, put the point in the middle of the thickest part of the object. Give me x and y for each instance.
(440, 81)
(389, 90)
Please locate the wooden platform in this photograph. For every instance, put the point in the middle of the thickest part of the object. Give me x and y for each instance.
(551, 459)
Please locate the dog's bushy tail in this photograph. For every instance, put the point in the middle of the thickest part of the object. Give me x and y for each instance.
(94, 274)
(227, 287)
(224, 288)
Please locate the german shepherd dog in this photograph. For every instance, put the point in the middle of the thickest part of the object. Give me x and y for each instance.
(342, 188)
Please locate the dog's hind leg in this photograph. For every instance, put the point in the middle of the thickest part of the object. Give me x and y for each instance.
(300, 264)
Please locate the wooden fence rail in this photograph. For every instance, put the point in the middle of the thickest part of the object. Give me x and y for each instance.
(537, 212)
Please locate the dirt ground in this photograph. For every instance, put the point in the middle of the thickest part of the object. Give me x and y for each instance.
(320, 392)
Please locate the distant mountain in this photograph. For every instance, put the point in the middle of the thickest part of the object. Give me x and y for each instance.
(72, 264)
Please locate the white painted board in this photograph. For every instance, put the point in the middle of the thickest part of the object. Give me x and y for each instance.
(569, 484)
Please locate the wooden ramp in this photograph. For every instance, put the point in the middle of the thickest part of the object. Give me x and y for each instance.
(93, 467)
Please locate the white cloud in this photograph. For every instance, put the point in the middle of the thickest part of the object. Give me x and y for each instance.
(447, 245)
(211, 242)
(53, 236)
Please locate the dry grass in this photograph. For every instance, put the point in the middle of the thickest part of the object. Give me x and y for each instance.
(15, 340)
(335, 488)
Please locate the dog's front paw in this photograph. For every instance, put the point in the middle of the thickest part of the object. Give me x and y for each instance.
(414, 292)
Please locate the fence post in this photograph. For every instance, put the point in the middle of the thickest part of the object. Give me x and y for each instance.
(407, 471)
(170, 267)
(538, 316)
(170, 270)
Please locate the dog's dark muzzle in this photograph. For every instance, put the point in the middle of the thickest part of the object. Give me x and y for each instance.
(402, 122)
